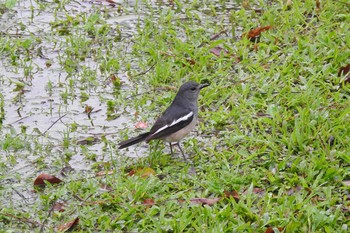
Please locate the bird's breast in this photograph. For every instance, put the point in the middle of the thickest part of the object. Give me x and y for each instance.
(177, 136)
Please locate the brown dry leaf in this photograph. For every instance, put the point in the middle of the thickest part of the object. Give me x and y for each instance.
(233, 194)
(103, 173)
(148, 201)
(40, 180)
(217, 50)
(316, 199)
(205, 201)
(258, 191)
(68, 225)
(88, 109)
(255, 33)
(99, 202)
(141, 125)
(66, 170)
(294, 190)
(132, 172)
(190, 61)
(270, 230)
(318, 5)
(105, 187)
(344, 70)
(59, 206)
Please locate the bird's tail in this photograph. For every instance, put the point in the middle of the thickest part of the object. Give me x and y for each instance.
(133, 141)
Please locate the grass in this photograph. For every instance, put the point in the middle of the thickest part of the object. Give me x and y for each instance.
(272, 143)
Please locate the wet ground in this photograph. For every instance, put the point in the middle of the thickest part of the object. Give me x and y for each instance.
(60, 73)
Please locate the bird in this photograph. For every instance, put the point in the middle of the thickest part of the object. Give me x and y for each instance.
(177, 121)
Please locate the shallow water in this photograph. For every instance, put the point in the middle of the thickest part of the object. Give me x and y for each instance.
(44, 112)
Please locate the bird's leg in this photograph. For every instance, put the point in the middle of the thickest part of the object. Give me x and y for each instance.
(171, 149)
(182, 152)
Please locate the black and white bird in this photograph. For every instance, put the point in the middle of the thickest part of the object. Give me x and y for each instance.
(177, 121)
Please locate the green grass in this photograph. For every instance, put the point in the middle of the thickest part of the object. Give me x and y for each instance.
(274, 126)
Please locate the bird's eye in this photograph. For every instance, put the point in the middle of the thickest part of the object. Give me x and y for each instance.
(193, 88)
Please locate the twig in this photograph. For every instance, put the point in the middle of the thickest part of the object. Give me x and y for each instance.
(145, 72)
(214, 37)
(20, 194)
(54, 123)
(19, 120)
(22, 219)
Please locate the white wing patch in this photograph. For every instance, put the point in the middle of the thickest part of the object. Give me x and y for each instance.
(184, 118)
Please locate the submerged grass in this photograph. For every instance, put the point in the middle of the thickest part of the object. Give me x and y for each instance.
(273, 138)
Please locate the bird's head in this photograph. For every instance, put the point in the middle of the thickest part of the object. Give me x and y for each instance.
(190, 90)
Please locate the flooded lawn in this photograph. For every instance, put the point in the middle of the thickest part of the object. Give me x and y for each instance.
(78, 77)
(66, 71)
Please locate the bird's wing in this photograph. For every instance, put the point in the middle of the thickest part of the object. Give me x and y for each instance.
(170, 122)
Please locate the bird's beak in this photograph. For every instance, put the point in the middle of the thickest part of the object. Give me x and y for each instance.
(201, 86)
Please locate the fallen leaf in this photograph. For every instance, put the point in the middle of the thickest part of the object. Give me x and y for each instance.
(99, 202)
(103, 173)
(115, 80)
(88, 109)
(141, 125)
(294, 190)
(105, 187)
(132, 172)
(253, 34)
(205, 201)
(143, 172)
(68, 225)
(40, 180)
(190, 61)
(271, 230)
(318, 5)
(59, 207)
(344, 70)
(258, 191)
(217, 51)
(65, 170)
(181, 201)
(233, 194)
(316, 199)
(148, 201)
